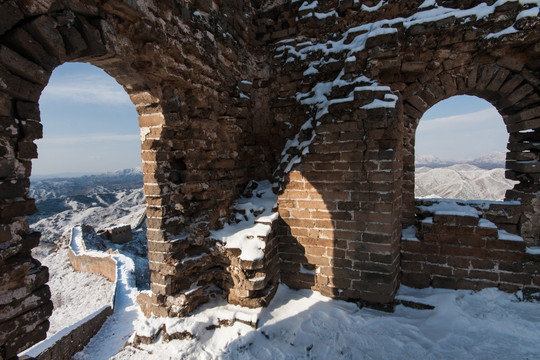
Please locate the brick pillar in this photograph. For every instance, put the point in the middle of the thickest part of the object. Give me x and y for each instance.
(341, 207)
(25, 304)
(522, 164)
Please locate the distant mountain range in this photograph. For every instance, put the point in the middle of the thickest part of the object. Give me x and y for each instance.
(490, 161)
(112, 198)
(99, 200)
(58, 187)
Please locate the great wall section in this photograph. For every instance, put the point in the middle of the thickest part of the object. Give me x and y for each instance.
(311, 103)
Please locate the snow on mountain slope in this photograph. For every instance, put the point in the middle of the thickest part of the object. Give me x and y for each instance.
(59, 187)
(126, 207)
(463, 181)
(99, 201)
(488, 161)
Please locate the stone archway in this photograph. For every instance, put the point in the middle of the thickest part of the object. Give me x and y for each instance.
(201, 97)
(367, 85)
(517, 100)
(218, 95)
(30, 50)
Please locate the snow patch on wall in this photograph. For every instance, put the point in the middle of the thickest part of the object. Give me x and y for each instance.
(373, 8)
(409, 234)
(255, 216)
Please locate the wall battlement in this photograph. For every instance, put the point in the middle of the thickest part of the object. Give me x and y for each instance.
(322, 99)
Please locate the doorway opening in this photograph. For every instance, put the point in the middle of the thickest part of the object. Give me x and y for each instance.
(88, 173)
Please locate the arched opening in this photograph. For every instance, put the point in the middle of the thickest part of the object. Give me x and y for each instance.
(88, 172)
(460, 151)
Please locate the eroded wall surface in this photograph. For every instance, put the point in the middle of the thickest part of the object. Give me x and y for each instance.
(320, 98)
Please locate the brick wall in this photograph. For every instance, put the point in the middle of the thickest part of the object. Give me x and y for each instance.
(224, 90)
(468, 251)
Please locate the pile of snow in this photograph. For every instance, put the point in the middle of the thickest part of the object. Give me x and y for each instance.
(304, 324)
(450, 207)
(462, 181)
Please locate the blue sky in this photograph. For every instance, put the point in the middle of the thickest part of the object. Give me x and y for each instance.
(461, 127)
(91, 126)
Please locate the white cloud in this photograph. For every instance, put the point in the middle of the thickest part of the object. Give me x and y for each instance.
(85, 89)
(489, 118)
(92, 138)
(462, 136)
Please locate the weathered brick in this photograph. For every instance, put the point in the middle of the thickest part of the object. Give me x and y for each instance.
(515, 278)
(18, 87)
(22, 67)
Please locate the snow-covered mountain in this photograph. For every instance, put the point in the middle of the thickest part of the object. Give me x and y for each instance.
(463, 181)
(97, 200)
(489, 161)
(100, 201)
(59, 187)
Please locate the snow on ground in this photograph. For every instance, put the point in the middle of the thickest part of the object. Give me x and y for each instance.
(119, 326)
(75, 294)
(306, 325)
(70, 289)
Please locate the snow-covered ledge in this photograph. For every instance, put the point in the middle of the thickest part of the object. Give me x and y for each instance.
(92, 261)
(249, 243)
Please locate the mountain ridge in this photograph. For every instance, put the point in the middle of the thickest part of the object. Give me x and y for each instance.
(488, 161)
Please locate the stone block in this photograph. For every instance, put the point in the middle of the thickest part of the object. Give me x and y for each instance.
(519, 94)
(128, 10)
(444, 282)
(18, 87)
(6, 106)
(511, 84)
(413, 66)
(25, 322)
(37, 298)
(416, 280)
(22, 67)
(10, 15)
(458, 220)
(498, 80)
(92, 37)
(14, 188)
(20, 342)
(515, 278)
(24, 44)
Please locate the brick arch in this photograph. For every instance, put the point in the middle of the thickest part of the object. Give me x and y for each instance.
(204, 116)
(29, 51)
(512, 91)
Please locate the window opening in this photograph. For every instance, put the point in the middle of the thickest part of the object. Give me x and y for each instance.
(460, 148)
